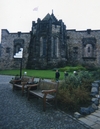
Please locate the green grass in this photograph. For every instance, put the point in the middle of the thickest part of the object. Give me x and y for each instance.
(49, 74)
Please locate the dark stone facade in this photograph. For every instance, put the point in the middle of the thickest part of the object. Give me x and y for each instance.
(50, 44)
(47, 47)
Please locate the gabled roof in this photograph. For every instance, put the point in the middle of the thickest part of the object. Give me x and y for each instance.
(48, 17)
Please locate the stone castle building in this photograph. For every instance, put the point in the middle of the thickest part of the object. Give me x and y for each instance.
(50, 44)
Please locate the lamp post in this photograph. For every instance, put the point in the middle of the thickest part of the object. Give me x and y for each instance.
(19, 55)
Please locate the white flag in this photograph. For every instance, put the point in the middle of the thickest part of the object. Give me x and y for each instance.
(35, 9)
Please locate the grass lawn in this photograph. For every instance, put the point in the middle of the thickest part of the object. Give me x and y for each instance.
(48, 74)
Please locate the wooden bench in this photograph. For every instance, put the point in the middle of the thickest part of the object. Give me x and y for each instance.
(47, 91)
(23, 83)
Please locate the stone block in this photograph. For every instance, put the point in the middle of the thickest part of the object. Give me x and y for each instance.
(94, 90)
(97, 81)
(94, 106)
(95, 101)
(87, 110)
(77, 115)
(84, 111)
(95, 84)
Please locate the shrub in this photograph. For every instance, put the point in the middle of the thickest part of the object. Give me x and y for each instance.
(75, 91)
(71, 69)
(96, 74)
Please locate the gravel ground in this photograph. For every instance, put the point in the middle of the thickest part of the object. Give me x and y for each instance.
(16, 112)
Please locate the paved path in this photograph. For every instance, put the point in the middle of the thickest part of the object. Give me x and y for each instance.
(16, 112)
(93, 120)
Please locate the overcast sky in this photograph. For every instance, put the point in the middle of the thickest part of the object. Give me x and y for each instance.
(17, 15)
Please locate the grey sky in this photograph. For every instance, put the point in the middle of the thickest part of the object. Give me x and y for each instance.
(17, 15)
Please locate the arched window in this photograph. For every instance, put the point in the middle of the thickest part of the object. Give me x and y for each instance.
(88, 49)
(89, 46)
(54, 47)
(44, 47)
(17, 48)
(18, 43)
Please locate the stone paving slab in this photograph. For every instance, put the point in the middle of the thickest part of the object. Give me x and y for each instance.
(93, 120)
(95, 126)
(86, 121)
(97, 113)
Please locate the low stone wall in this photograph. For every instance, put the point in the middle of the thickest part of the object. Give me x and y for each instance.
(95, 93)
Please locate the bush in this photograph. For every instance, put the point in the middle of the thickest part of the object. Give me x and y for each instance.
(75, 91)
(96, 74)
(71, 69)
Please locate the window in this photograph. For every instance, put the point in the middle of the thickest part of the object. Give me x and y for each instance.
(44, 47)
(88, 49)
(75, 52)
(18, 43)
(7, 50)
(17, 49)
(89, 46)
(54, 47)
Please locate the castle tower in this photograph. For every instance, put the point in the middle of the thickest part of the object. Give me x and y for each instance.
(47, 47)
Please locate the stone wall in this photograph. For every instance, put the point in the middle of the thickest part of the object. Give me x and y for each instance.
(62, 46)
(48, 44)
(76, 53)
(74, 44)
(7, 60)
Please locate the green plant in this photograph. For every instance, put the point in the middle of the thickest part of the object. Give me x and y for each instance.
(75, 91)
(71, 69)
